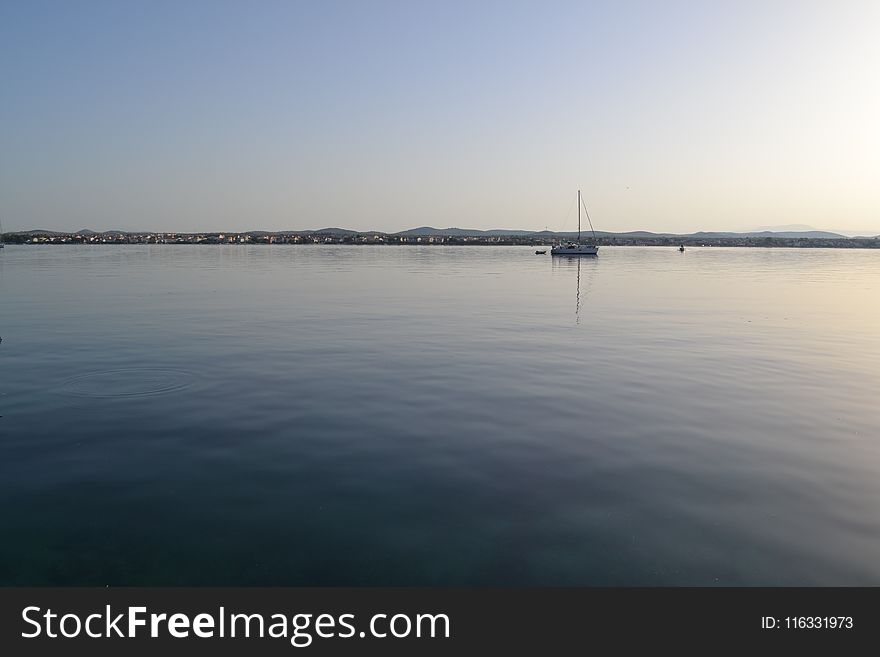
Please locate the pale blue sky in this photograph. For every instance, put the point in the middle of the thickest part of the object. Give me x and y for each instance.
(217, 115)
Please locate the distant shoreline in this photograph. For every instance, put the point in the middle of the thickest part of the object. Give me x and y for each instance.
(353, 238)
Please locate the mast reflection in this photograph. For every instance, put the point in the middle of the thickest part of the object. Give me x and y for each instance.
(574, 262)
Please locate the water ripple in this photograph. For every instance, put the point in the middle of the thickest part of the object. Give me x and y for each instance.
(129, 382)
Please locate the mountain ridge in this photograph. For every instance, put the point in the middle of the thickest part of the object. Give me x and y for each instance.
(430, 231)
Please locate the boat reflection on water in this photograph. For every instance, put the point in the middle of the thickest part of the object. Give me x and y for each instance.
(568, 264)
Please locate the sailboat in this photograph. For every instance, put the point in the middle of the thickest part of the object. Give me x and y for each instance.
(577, 248)
(1, 234)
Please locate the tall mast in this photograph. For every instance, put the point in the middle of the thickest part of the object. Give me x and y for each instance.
(579, 216)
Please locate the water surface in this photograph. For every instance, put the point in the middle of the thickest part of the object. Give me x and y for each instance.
(439, 415)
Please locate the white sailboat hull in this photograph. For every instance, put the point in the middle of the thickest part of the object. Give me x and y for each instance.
(575, 250)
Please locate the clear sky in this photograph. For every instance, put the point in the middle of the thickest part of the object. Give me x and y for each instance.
(671, 116)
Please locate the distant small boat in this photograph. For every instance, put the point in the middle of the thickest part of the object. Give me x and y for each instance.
(540, 252)
(1, 234)
(577, 248)
(681, 248)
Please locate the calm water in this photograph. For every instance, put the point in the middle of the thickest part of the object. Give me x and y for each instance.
(403, 415)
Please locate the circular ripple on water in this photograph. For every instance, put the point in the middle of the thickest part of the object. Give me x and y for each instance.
(133, 382)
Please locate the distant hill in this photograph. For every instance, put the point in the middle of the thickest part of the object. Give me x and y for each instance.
(635, 233)
(36, 231)
(782, 228)
(89, 231)
(331, 231)
(429, 231)
(810, 234)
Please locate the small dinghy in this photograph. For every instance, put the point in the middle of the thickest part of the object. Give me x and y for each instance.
(540, 252)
